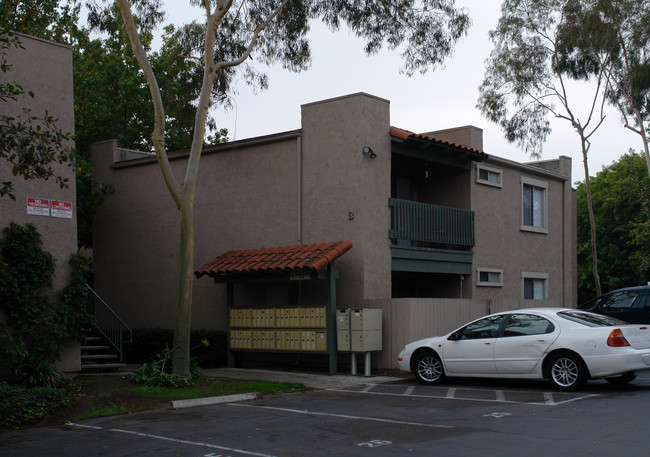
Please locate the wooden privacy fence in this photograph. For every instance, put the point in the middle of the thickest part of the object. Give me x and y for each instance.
(410, 319)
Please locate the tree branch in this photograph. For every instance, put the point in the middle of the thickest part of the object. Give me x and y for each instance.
(158, 135)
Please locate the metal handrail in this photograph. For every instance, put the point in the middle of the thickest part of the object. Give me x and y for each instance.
(108, 322)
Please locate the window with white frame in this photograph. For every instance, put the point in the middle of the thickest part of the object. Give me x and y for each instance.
(534, 205)
(489, 277)
(535, 286)
(488, 176)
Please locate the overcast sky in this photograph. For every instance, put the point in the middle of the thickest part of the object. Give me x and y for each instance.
(437, 100)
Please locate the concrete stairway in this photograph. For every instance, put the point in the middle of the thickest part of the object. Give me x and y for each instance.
(98, 356)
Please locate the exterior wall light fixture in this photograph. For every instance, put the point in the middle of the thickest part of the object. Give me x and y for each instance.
(370, 152)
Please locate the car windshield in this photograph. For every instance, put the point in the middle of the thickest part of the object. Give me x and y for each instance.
(590, 319)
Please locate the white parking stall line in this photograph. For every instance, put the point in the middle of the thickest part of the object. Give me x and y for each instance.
(343, 416)
(550, 402)
(500, 396)
(368, 388)
(174, 440)
(409, 390)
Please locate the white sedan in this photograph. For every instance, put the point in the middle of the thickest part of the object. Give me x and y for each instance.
(565, 346)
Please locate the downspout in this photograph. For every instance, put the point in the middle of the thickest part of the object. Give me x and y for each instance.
(564, 244)
(299, 189)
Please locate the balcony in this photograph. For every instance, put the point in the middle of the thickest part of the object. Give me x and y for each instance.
(431, 238)
(425, 223)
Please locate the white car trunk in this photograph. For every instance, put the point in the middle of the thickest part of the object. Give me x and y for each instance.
(637, 335)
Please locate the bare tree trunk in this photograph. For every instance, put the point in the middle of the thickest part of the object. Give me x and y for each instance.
(182, 324)
(184, 195)
(592, 219)
(644, 137)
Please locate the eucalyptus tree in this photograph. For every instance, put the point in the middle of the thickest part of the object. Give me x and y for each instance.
(423, 31)
(613, 36)
(526, 82)
(112, 99)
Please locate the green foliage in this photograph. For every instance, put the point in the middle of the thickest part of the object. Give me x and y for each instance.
(24, 405)
(48, 19)
(39, 321)
(518, 90)
(524, 83)
(611, 36)
(158, 372)
(112, 100)
(621, 199)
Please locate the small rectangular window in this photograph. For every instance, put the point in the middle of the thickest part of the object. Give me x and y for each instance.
(489, 277)
(489, 176)
(535, 286)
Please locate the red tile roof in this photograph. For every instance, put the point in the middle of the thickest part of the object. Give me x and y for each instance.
(312, 257)
(407, 135)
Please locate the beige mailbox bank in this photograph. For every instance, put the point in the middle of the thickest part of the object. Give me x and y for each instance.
(358, 331)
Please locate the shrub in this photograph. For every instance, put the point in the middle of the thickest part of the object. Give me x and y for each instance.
(39, 321)
(158, 372)
(23, 405)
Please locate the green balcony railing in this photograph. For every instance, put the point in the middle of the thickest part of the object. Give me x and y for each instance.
(422, 222)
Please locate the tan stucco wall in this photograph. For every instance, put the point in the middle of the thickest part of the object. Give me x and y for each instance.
(303, 187)
(45, 68)
(502, 244)
(467, 135)
(246, 199)
(345, 193)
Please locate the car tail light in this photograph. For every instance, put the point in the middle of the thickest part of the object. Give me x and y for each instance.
(616, 338)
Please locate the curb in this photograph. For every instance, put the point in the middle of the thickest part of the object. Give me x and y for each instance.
(177, 404)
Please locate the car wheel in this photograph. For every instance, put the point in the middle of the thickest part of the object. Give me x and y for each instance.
(567, 372)
(428, 368)
(625, 378)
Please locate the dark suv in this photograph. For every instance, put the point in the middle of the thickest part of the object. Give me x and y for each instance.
(631, 304)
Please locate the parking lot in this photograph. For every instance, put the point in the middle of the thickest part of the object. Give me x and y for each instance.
(395, 418)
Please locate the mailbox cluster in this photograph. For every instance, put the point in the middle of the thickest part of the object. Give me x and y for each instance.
(358, 330)
(298, 328)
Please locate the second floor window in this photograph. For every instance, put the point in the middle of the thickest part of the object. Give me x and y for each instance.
(534, 205)
(488, 176)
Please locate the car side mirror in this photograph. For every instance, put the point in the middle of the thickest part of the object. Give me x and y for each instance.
(454, 336)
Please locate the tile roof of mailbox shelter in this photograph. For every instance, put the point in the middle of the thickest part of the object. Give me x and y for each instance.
(286, 259)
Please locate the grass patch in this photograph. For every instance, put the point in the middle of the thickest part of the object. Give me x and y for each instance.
(214, 387)
(120, 395)
(112, 411)
(87, 397)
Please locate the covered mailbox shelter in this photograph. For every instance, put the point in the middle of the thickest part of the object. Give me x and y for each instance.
(268, 312)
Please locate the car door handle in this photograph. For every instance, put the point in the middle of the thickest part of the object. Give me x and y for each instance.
(541, 340)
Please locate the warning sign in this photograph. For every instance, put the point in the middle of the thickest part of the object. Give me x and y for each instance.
(62, 209)
(38, 206)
